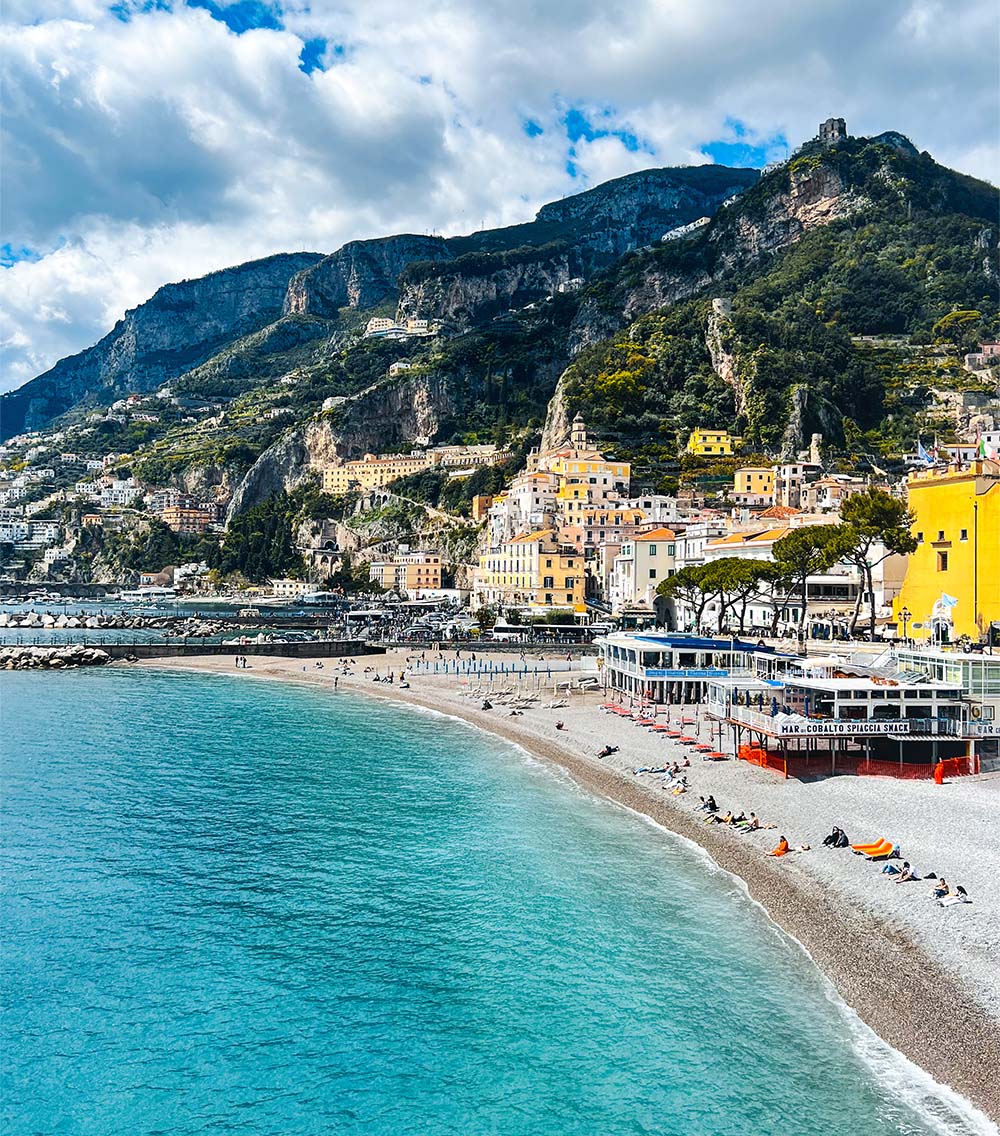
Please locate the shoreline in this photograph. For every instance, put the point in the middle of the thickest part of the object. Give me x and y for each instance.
(882, 974)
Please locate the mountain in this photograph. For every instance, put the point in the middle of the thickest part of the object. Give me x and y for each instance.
(181, 326)
(185, 325)
(755, 313)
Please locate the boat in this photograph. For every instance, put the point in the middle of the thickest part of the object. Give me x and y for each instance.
(249, 613)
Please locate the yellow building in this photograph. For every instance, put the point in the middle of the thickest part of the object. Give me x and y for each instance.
(408, 571)
(377, 471)
(753, 481)
(532, 570)
(712, 443)
(957, 528)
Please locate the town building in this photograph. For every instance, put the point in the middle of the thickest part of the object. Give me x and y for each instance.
(753, 485)
(712, 443)
(643, 563)
(378, 471)
(532, 570)
(789, 480)
(407, 571)
(187, 519)
(951, 585)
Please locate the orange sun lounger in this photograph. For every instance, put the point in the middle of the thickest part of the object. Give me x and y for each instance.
(881, 845)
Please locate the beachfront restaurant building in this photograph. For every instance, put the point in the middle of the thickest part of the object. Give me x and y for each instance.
(671, 668)
(978, 677)
(804, 724)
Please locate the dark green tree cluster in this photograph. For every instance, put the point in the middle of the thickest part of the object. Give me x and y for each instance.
(260, 542)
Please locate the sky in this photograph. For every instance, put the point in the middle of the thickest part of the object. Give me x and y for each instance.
(148, 141)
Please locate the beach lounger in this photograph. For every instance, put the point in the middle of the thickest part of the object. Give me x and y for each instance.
(865, 848)
(892, 853)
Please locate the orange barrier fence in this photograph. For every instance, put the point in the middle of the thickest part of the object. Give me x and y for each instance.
(802, 764)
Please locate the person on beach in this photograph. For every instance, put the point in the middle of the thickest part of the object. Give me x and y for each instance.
(959, 895)
(906, 875)
(752, 824)
(780, 849)
(894, 870)
(608, 751)
(833, 840)
(940, 889)
(336, 680)
(710, 805)
(560, 725)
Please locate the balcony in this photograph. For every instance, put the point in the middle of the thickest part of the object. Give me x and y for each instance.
(797, 725)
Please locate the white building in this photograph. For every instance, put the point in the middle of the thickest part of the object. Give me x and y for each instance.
(642, 565)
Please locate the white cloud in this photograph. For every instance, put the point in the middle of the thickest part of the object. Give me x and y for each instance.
(164, 146)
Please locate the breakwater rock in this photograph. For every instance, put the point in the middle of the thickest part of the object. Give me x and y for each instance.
(51, 658)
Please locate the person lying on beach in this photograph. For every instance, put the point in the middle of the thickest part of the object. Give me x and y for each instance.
(959, 895)
(608, 751)
(906, 875)
(716, 819)
(647, 769)
(750, 825)
(560, 725)
(940, 889)
(780, 849)
(895, 870)
(679, 788)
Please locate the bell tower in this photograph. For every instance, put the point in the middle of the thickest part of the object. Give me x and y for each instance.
(578, 434)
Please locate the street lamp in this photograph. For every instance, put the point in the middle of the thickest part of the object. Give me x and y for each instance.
(905, 615)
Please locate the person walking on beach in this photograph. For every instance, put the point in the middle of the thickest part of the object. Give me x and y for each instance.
(336, 680)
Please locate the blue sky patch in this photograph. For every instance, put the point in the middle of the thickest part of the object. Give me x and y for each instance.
(311, 55)
(126, 9)
(14, 254)
(578, 126)
(244, 15)
(743, 148)
(531, 128)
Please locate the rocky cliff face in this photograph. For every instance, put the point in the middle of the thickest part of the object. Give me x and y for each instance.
(464, 295)
(180, 327)
(388, 415)
(360, 275)
(638, 209)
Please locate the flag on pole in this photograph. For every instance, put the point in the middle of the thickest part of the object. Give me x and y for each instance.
(923, 455)
(948, 601)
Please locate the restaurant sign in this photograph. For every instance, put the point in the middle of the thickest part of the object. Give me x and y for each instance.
(838, 728)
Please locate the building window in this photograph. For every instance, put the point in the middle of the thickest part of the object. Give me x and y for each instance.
(942, 561)
(547, 581)
(964, 535)
(569, 583)
(920, 538)
(940, 534)
(652, 550)
(652, 573)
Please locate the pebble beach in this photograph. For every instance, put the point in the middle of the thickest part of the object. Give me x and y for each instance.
(923, 977)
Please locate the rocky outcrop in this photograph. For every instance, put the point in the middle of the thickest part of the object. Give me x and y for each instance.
(387, 415)
(638, 209)
(463, 293)
(720, 338)
(807, 415)
(360, 275)
(51, 658)
(180, 327)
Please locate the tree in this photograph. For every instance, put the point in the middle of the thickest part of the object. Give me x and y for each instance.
(870, 519)
(485, 617)
(697, 585)
(739, 580)
(804, 551)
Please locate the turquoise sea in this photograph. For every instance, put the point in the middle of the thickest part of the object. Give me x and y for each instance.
(238, 906)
